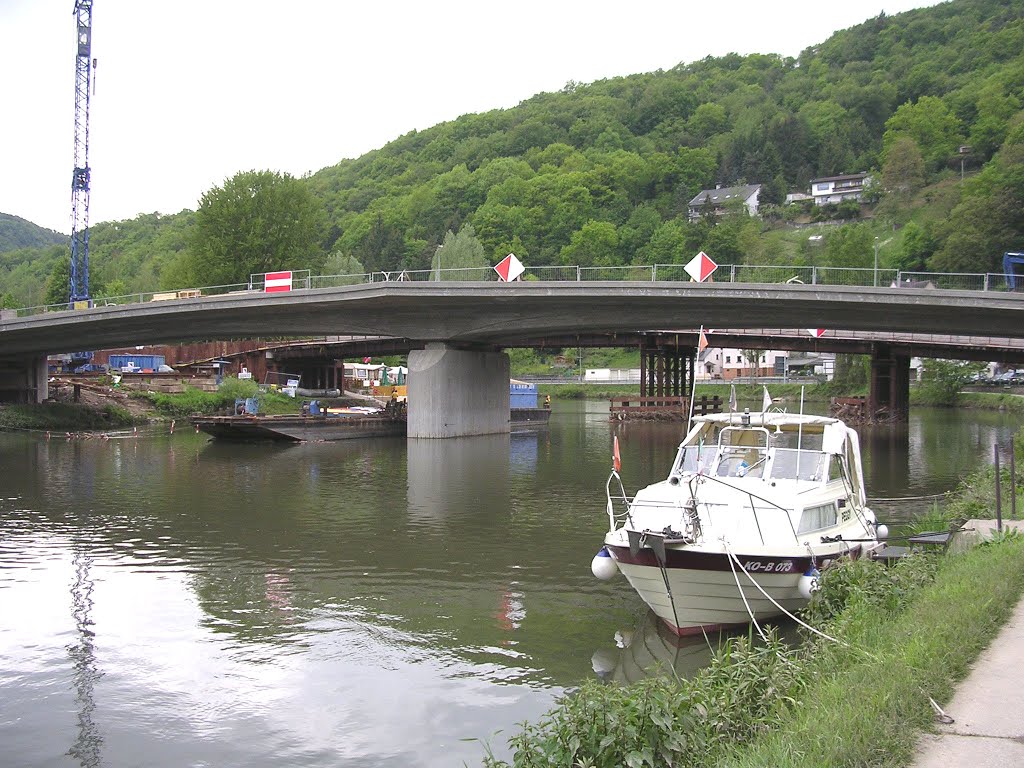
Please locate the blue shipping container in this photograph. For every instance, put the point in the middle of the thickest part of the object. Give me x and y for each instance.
(522, 395)
(138, 362)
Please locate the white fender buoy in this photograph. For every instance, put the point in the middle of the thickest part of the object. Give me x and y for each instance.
(808, 583)
(603, 662)
(881, 531)
(603, 566)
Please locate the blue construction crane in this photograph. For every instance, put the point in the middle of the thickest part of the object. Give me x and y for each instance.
(84, 64)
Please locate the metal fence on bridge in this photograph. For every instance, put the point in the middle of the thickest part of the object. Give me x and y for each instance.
(748, 274)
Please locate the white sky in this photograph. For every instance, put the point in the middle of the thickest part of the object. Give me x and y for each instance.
(188, 92)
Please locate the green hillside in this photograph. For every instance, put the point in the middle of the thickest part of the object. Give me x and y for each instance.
(601, 173)
(16, 232)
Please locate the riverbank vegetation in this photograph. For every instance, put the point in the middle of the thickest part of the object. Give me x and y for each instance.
(905, 635)
(65, 417)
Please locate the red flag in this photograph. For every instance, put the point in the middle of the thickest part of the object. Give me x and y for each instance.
(702, 342)
(616, 458)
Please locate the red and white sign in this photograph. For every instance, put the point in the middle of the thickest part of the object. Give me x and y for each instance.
(700, 267)
(509, 268)
(816, 332)
(275, 282)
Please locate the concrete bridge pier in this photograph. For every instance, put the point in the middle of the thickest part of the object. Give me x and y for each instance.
(24, 380)
(457, 392)
(890, 383)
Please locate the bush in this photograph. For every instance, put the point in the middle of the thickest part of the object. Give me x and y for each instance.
(745, 691)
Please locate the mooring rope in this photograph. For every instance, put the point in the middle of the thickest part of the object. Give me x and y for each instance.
(915, 498)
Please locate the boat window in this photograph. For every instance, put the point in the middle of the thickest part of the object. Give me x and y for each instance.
(789, 462)
(741, 462)
(815, 518)
(835, 469)
(687, 459)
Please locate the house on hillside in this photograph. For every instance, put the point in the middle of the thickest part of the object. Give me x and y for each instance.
(836, 189)
(720, 199)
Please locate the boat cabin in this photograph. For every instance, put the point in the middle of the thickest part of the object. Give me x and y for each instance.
(771, 447)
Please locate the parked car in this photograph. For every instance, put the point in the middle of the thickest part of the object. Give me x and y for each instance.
(1004, 379)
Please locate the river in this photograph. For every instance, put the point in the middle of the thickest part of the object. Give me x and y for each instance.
(170, 601)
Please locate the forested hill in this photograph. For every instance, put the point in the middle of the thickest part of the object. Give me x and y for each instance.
(601, 173)
(16, 232)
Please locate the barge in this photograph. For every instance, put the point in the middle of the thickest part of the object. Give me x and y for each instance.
(329, 426)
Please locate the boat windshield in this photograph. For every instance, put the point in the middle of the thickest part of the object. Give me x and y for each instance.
(791, 464)
(756, 453)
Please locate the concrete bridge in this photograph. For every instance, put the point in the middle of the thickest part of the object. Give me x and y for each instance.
(460, 381)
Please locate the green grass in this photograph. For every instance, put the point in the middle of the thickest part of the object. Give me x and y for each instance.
(64, 416)
(868, 710)
(196, 401)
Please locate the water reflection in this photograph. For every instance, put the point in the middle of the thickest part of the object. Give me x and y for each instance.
(85, 673)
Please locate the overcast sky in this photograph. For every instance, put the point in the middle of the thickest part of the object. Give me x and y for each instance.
(188, 92)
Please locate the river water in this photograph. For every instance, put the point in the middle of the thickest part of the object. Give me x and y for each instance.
(170, 601)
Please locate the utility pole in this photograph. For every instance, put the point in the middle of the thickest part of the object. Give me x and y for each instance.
(84, 64)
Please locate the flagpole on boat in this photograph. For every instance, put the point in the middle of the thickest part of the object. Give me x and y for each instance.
(693, 389)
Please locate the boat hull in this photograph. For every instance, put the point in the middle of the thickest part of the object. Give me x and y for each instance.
(708, 591)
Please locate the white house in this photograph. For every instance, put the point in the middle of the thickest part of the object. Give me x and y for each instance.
(720, 199)
(836, 189)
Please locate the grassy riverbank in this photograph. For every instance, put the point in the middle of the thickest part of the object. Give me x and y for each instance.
(66, 417)
(905, 634)
(104, 407)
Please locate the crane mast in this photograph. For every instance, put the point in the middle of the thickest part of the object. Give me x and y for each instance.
(80, 178)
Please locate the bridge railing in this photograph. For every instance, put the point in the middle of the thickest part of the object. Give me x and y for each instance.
(726, 273)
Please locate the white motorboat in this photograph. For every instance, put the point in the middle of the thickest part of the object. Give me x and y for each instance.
(753, 506)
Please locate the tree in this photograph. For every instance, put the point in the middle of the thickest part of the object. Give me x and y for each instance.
(943, 379)
(460, 256)
(929, 123)
(903, 171)
(259, 221)
(915, 250)
(849, 246)
(117, 287)
(58, 285)
(595, 245)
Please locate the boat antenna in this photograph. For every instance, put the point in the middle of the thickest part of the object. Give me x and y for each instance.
(800, 432)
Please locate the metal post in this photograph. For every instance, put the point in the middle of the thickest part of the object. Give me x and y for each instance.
(1013, 485)
(876, 262)
(814, 275)
(999, 506)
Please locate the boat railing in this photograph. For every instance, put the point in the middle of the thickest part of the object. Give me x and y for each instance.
(620, 505)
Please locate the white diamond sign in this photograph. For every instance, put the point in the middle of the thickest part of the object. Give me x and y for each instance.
(509, 268)
(700, 267)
